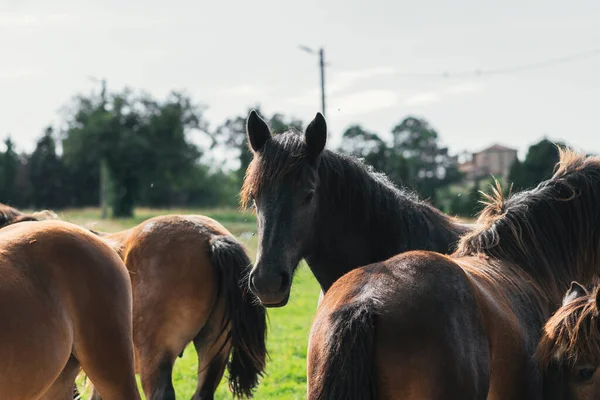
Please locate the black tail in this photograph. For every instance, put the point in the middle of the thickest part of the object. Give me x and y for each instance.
(245, 316)
(348, 370)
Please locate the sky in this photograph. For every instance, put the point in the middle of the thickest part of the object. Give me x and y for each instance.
(387, 60)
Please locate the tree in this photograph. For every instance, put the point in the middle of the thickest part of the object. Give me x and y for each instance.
(86, 117)
(429, 164)
(232, 136)
(363, 144)
(171, 156)
(106, 130)
(375, 152)
(9, 166)
(517, 175)
(46, 173)
(537, 166)
(279, 124)
(143, 143)
(23, 190)
(466, 202)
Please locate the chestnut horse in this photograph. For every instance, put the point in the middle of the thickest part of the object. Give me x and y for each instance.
(10, 215)
(65, 302)
(329, 209)
(422, 325)
(569, 351)
(188, 276)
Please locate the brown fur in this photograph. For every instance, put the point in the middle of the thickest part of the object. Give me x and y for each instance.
(65, 301)
(465, 326)
(188, 278)
(10, 215)
(548, 231)
(572, 333)
(187, 275)
(569, 350)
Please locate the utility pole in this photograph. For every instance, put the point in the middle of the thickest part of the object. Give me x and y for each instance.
(322, 66)
(103, 164)
(103, 167)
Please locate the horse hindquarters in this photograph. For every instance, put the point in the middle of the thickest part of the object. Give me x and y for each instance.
(431, 338)
(417, 334)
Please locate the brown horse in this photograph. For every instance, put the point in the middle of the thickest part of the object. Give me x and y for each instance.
(65, 301)
(188, 276)
(328, 208)
(10, 215)
(569, 351)
(427, 326)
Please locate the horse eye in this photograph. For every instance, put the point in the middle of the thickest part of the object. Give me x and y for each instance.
(585, 374)
(309, 197)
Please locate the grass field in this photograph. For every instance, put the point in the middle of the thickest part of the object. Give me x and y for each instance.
(288, 326)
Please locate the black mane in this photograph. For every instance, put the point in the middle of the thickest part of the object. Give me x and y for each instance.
(362, 217)
(552, 232)
(372, 199)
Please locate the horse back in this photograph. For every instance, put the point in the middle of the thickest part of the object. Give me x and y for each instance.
(429, 340)
(61, 260)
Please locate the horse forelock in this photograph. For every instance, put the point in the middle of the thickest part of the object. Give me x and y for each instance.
(535, 228)
(572, 334)
(279, 156)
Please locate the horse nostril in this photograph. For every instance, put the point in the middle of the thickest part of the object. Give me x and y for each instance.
(285, 282)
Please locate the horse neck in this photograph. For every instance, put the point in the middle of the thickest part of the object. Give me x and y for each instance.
(363, 219)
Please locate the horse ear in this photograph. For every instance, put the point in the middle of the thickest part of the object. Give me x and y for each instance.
(574, 292)
(315, 135)
(257, 130)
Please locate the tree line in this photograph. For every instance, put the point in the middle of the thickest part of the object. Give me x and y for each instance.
(142, 147)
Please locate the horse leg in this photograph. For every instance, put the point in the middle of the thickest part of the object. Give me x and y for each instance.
(213, 348)
(160, 340)
(111, 372)
(156, 368)
(105, 353)
(63, 386)
(94, 394)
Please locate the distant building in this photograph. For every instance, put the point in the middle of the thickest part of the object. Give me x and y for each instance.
(495, 160)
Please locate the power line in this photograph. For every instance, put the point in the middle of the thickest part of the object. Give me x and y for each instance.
(504, 70)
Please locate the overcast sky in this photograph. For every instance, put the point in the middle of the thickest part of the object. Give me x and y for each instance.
(231, 55)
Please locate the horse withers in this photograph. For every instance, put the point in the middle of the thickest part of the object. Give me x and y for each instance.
(65, 302)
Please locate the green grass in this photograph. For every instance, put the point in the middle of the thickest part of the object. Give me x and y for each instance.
(288, 326)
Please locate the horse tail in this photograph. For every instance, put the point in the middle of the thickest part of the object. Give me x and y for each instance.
(347, 369)
(245, 318)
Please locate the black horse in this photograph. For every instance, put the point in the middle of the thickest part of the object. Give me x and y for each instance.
(330, 209)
